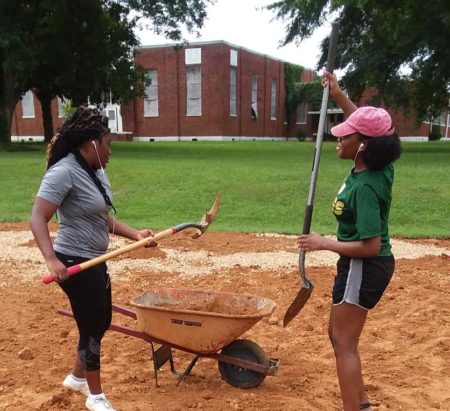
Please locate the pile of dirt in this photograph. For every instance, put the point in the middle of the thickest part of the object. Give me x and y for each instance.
(405, 347)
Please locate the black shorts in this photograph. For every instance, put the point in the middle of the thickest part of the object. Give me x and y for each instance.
(362, 281)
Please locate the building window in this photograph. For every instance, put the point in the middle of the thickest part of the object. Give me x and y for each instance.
(254, 109)
(194, 91)
(193, 56)
(273, 100)
(233, 58)
(301, 113)
(151, 107)
(233, 91)
(28, 105)
(62, 103)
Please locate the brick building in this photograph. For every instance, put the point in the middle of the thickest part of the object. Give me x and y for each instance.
(213, 90)
(27, 123)
(405, 125)
(206, 90)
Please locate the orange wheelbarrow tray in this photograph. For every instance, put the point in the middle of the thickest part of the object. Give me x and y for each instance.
(202, 323)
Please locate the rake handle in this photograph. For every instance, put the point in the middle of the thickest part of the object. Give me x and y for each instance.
(75, 269)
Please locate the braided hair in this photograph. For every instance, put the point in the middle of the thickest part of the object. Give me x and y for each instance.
(85, 124)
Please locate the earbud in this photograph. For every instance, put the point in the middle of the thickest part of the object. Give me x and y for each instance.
(361, 145)
(93, 143)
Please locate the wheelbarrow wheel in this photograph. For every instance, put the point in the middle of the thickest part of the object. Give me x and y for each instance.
(238, 376)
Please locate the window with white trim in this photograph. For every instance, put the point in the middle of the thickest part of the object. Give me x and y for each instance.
(254, 108)
(301, 113)
(193, 56)
(61, 103)
(233, 91)
(233, 58)
(193, 91)
(151, 106)
(28, 105)
(273, 100)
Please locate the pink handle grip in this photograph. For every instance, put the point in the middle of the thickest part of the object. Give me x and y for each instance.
(73, 269)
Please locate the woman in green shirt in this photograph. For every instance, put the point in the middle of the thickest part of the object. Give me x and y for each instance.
(361, 207)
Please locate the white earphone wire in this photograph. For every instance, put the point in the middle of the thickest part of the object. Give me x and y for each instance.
(103, 172)
(357, 152)
(98, 157)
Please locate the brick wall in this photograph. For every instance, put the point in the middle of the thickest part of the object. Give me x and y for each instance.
(405, 125)
(33, 127)
(215, 119)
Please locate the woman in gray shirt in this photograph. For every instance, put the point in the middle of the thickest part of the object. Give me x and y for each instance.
(76, 188)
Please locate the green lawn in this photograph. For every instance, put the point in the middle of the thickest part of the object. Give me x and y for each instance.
(264, 184)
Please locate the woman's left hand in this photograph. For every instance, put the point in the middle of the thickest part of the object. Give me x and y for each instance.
(311, 242)
(145, 234)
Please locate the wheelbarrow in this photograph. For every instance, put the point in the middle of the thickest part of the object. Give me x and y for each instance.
(201, 323)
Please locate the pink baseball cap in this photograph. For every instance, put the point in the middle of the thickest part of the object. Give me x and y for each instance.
(369, 121)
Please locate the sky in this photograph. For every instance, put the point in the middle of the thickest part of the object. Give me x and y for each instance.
(244, 24)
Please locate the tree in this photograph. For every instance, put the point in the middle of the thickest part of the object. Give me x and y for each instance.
(93, 55)
(398, 47)
(80, 48)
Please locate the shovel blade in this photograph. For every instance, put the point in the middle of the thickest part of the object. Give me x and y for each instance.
(296, 305)
(209, 217)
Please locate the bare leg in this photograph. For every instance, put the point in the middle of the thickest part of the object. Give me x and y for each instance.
(346, 324)
(92, 377)
(93, 380)
(77, 369)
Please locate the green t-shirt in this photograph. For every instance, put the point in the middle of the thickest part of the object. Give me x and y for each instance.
(362, 206)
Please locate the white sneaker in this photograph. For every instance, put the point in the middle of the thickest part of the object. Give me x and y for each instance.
(72, 384)
(98, 404)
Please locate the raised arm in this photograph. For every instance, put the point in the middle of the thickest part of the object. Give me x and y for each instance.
(338, 95)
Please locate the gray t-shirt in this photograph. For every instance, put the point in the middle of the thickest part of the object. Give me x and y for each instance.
(82, 211)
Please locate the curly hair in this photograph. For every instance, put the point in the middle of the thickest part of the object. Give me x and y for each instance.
(381, 151)
(86, 123)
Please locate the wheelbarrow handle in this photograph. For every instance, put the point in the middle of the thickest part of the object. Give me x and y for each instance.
(74, 269)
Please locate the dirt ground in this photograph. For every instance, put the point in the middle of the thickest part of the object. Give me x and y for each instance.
(405, 346)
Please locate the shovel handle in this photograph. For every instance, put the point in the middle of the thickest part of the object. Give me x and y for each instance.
(307, 285)
(332, 49)
(332, 46)
(75, 269)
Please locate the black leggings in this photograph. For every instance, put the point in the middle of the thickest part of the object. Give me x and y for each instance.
(89, 294)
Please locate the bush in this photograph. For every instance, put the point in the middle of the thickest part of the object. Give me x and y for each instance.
(435, 133)
(301, 135)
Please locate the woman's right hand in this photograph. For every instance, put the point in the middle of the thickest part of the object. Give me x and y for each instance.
(57, 269)
(331, 79)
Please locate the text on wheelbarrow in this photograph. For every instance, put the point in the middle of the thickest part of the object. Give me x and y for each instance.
(186, 323)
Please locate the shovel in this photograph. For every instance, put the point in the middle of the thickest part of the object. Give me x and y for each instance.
(199, 227)
(307, 285)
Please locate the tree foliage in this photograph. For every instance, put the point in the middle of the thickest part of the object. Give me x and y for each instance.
(292, 73)
(399, 47)
(80, 48)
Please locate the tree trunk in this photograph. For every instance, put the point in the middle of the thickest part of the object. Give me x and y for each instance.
(5, 131)
(8, 100)
(47, 119)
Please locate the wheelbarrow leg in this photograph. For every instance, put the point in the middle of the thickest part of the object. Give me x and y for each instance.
(188, 369)
(160, 357)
